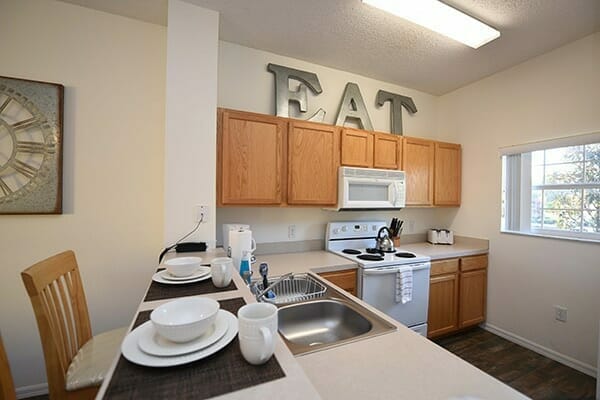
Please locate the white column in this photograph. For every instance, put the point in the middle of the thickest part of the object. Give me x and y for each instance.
(190, 133)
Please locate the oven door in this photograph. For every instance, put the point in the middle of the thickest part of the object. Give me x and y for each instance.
(378, 288)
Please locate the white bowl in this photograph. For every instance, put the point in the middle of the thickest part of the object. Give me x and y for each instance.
(186, 319)
(183, 266)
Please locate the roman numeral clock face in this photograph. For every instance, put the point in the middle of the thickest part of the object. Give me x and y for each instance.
(29, 147)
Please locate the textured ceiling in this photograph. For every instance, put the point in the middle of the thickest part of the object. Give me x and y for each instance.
(351, 36)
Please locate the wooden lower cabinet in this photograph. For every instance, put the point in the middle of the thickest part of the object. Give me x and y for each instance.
(472, 298)
(346, 279)
(443, 298)
(457, 294)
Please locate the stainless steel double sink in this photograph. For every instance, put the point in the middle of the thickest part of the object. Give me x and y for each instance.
(328, 321)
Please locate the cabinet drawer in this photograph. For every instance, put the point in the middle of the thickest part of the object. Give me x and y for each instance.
(444, 266)
(473, 263)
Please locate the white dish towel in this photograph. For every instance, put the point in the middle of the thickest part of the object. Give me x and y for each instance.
(404, 285)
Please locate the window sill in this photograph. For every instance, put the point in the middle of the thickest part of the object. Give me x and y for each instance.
(540, 235)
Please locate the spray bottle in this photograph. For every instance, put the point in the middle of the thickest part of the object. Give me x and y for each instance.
(245, 271)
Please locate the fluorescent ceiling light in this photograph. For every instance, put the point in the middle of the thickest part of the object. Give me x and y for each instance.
(440, 18)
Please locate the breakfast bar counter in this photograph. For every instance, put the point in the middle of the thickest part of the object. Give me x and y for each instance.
(396, 365)
(229, 378)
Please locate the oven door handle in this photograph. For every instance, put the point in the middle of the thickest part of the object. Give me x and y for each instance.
(393, 270)
(380, 271)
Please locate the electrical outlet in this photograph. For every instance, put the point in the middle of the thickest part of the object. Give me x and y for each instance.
(201, 213)
(291, 231)
(560, 313)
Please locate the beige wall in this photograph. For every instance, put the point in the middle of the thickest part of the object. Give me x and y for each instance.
(113, 69)
(191, 121)
(551, 96)
(245, 84)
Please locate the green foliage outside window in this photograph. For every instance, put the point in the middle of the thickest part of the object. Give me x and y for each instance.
(566, 189)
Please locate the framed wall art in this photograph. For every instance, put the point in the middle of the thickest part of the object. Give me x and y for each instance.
(31, 124)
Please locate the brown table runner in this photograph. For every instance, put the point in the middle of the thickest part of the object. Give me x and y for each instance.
(223, 372)
(161, 291)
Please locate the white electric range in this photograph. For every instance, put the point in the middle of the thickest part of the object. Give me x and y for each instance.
(378, 275)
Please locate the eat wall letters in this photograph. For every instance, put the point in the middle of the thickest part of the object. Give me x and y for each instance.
(352, 105)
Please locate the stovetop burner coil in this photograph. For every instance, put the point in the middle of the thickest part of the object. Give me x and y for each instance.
(370, 257)
(351, 251)
(404, 254)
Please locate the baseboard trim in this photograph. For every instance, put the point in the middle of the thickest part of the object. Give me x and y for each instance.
(24, 392)
(552, 354)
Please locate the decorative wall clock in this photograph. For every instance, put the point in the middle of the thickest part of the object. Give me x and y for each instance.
(31, 117)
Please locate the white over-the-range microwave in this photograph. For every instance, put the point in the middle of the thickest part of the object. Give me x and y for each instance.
(370, 189)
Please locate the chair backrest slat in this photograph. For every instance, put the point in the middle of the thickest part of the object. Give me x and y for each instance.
(65, 298)
(54, 322)
(61, 324)
(56, 292)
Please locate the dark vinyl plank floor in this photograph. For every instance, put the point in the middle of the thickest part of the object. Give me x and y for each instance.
(526, 371)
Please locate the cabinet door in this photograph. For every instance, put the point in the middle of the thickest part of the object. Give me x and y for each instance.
(357, 148)
(417, 162)
(251, 160)
(442, 314)
(387, 151)
(345, 279)
(313, 161)
(447, 174)
(471, 310)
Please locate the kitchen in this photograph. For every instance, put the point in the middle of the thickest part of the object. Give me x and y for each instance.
(131, 217)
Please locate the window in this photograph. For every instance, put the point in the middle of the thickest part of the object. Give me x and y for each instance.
(553, 189)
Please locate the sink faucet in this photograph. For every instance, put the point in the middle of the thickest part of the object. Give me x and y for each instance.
(266, 290)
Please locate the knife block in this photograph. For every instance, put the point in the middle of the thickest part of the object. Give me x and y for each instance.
(396, 241)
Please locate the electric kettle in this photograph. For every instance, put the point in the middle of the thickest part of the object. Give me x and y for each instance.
(385, 243)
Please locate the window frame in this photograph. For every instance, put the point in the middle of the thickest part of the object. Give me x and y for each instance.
(517, 186)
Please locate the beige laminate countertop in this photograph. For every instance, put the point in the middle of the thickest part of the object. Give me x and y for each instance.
(323, 261)
(396, 365)
(462, 247)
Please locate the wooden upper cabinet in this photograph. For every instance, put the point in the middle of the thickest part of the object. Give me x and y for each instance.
(371, 149)
(250, 164)
(357, 148)
(387, 151)
(313, 161)
(447, 174)
(417, 163)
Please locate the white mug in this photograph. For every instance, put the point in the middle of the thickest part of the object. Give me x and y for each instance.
(257, 330)
(221, 269)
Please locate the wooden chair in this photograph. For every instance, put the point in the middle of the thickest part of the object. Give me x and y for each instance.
(7, 387)
(76, 362)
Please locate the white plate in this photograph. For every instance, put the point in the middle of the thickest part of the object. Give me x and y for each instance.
(152, 343)
(133, 353)
(157, 277)
(200, 272)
